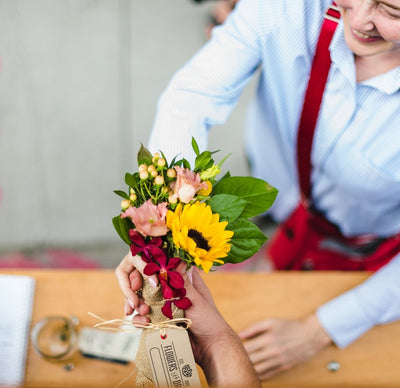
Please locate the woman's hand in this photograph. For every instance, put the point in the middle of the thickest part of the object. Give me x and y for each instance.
(275, 345)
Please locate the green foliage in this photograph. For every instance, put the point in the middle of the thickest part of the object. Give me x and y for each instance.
(203, 161)
(259, 195)
(195, 146)
(229, 207)
(246, 241)
(121, 194)
(122, 227)
(144, 156)
(132, 180)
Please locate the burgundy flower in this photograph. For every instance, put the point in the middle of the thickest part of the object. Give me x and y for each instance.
(164, 268)
(181, 302)
(149, 249)
(158, 263)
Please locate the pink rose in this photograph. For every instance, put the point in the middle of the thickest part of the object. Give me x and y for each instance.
(187, 184)
(149, 219)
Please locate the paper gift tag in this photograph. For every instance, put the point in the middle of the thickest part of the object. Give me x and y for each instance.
(171, 359)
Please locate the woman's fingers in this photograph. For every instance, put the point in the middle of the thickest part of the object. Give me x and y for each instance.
(256, 329)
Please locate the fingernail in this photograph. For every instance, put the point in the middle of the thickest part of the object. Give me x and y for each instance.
(131, 303)
(190, 275)
(126, 310)
(152, 282)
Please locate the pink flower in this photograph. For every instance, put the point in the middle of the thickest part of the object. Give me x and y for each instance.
(187, 184)
(148, 219)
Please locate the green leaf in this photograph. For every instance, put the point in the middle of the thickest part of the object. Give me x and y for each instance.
(229, 207)
(172, 164)
(259, 194)
(246, 241)
(195, 146)
(215, 185)
(203, 161)
(132, 180)
(144, 156)
(223, 160)
(121, 194)
(122, 228)
(163, 156)
(182, 163)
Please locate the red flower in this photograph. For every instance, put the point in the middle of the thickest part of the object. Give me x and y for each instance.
(164, 267)
(158, 263)
(149, 250)
(181, 302)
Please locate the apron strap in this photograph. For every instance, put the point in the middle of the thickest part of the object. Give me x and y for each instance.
(312, 100)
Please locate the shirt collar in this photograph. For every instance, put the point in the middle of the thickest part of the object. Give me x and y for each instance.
(388, 82)
(343, 58)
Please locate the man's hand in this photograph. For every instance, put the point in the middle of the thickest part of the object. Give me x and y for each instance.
(129, 275)
(211, 337)
(275, 345)
(216, 347)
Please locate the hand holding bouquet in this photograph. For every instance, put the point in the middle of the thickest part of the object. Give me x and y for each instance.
(173, 214)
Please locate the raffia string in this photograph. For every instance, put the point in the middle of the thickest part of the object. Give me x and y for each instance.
(114, 324)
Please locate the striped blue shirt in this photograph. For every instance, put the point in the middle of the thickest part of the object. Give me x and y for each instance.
(356, 149)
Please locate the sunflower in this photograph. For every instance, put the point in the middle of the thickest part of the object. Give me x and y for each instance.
(198, 231)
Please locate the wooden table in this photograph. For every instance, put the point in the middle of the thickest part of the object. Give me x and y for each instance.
(372, 361)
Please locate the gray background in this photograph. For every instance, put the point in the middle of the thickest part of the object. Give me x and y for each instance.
(79, 83)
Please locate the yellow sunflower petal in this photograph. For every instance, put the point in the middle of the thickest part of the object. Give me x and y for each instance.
(199, 232)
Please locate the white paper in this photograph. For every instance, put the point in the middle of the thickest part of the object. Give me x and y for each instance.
(16, 302)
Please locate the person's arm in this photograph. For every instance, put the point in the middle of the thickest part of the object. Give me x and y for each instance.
(216, 347)
(206, 89)
(376, 301)
(275, 345)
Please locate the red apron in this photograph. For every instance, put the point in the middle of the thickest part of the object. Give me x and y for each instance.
(307, 241)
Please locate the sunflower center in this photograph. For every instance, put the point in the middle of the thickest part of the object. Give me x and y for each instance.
(199, 239)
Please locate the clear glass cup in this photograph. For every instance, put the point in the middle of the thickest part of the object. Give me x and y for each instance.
(55, 338)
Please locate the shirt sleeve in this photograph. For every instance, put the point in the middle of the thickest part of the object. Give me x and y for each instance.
(376, 301)
(206, 89)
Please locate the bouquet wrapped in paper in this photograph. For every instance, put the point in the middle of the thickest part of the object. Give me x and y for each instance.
(173, 213)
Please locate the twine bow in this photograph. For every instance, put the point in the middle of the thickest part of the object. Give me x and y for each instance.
(115, 324)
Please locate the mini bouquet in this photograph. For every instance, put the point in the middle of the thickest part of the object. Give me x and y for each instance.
(173, 213)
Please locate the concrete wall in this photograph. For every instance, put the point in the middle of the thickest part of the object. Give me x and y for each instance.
(79, 83)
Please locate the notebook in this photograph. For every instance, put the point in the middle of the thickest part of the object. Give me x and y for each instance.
(16, 302)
